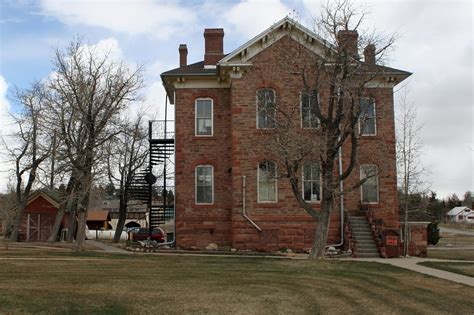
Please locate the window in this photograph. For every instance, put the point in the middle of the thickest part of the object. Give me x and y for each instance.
(367, 120)
(267, 182)
(204, 184)
(266, 108)
(311, 182)
(309, 104)
(203, 112)
(369, 189)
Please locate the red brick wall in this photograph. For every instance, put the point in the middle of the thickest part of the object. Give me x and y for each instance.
(199, 225)
(234, 153)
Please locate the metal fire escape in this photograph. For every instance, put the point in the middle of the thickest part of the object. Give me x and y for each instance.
(153, 184)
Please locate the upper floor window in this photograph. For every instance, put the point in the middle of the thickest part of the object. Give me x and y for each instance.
(204, 121)
(309, 103)
(367, 120)
(266, 111)
(370, 188)
(267, 181)
(311, 182)
(204, 184)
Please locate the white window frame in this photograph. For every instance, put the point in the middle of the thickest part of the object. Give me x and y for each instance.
(257, 111)
(196, 185)
(196, 116)
(375, 119)
(312, 180)
(301, 109)
(377, 183)
(258, 183)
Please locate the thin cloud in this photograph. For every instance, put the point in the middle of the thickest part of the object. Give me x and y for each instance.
(142, 17)
(250, 17)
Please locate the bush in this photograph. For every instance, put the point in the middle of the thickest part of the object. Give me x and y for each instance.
(433, 233)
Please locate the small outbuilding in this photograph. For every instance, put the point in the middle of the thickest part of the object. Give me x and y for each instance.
(98, 220)
(461, 214)
(38, 219)
(417, 232)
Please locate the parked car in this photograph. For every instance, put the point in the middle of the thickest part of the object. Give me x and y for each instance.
(142, 234)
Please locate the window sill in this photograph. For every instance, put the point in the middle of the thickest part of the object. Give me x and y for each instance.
(212, 138)
(273, 204)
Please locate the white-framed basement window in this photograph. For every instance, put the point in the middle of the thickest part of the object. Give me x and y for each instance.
(368, 118)
(266, 109)
(309, 103)
(370, 188)
(311, 181)
(267, 182)
(204, 117)
(204, 184)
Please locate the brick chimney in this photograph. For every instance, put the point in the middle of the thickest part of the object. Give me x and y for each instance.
(213, 45)
(183, 55)
(347, 40)
(369, 54)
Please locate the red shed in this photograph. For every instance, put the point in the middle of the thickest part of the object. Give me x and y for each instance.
(38, 219)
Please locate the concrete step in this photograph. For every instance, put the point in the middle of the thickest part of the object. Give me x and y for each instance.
(367, 251)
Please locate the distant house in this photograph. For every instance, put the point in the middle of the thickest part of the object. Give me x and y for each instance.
(136, 213)
(461, 214)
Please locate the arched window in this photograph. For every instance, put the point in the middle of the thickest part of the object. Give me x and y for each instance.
(204, 117)
(204, 184)
(370, 188)
(267, 181)
(266, 112)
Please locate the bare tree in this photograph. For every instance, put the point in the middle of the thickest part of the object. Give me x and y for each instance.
(127, 154)
(334, 85)
(33, 146)
(88, 92)
(409, 158)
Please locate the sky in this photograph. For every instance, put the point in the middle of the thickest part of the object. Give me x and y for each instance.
(435, 43)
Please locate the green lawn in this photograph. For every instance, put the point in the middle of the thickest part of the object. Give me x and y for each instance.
(98, 283)
(453, 254)
(463, 268)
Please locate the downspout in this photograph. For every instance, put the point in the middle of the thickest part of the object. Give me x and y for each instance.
(243, 206)
(341, 201)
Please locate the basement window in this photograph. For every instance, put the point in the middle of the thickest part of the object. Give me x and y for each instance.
(204, 184)
(309, 104)
(367, 118)
(204, 117)
(267, 181)
(311, 182)
(370, 188)
(266, 110)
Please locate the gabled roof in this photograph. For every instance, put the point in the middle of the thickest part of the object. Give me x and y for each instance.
(309, 37)
(306, 36)
(457, 210)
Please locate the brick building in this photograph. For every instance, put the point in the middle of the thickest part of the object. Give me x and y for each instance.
(228, 191)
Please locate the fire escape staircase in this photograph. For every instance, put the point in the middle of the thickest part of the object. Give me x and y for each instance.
(161, 148)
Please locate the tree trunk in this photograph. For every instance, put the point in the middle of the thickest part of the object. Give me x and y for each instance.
(321, 235)
(57, 225)
(17, 222)
(121, 220)
(71, 231)
(81, 231)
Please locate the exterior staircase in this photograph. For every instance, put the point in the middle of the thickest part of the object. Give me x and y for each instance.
(364, 243)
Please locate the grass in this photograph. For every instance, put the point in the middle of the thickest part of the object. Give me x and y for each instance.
(454, 240)
(93, 283)
(462, 268)
(452, 253)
